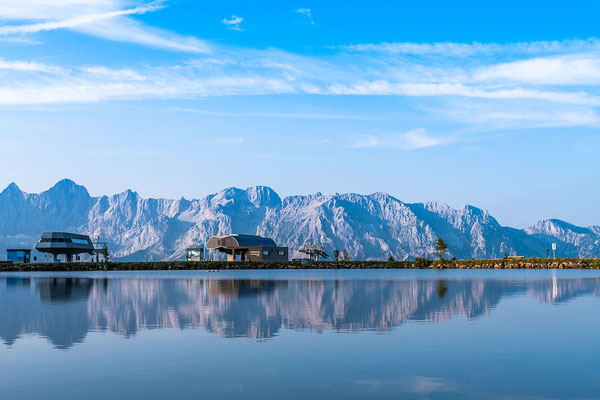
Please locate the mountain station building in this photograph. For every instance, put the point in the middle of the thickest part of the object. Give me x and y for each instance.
(248, 248)
(64, 243)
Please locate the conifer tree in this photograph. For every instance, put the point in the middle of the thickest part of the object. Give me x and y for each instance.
(440, 247)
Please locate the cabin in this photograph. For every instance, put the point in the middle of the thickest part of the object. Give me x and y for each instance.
(248, 248)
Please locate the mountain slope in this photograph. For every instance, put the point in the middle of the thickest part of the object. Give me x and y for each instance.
(374, 226)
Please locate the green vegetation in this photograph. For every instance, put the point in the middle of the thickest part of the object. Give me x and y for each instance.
(421, 262)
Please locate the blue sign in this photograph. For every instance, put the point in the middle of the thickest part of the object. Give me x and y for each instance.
(18, 256)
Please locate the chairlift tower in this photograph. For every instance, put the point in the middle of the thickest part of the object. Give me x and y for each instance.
(101, 248)
(314, 251)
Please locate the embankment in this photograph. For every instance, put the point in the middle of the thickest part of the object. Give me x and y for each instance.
(532, 263)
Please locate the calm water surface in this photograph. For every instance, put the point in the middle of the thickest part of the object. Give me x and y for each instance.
(301, 335)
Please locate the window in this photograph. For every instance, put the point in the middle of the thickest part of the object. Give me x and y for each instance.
(266, 252)
(281, 253)
(79, 241)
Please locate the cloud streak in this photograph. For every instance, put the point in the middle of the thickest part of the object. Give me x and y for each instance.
(97, 18)
(412, 140)
(75, 22)
(470, 49)
(575, 70)
(273, 115)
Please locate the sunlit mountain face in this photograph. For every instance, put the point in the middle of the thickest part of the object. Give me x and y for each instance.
(66, 309)
(374, 226)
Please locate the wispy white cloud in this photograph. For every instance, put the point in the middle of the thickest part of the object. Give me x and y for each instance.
(233, 23)
(412, 140)
(475, 48)
(77, 21)
(510, 115)
(124, 74)
(273, 115)
(382, 87)
(19, 40)
(128, 30)
(28, 66)
(308, 13)
(53, 9)
(107, 19)
(581, 69)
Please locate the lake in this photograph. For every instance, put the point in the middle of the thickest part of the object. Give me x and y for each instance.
(305, 334)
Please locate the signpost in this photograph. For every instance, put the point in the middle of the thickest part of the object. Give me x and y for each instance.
(553, 250)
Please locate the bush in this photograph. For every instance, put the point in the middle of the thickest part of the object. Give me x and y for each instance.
(421, 262)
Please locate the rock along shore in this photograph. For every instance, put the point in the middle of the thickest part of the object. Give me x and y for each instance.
(532, 263)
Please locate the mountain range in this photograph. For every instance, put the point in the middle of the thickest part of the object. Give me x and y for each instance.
(375, 226)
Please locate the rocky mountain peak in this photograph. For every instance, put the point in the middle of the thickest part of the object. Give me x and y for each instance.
(67, 187)
(11, 190)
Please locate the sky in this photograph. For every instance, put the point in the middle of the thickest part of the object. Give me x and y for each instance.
(493, 104)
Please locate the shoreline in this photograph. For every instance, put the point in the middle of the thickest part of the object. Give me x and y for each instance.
(532, 263)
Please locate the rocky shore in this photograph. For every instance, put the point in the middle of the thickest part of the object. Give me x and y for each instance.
(532, 263)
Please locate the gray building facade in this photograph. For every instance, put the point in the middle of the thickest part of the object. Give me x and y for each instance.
(248, 248)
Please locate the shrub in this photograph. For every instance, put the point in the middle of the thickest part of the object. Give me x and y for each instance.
(421, 262)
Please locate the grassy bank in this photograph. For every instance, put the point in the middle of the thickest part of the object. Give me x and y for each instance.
(531, 263)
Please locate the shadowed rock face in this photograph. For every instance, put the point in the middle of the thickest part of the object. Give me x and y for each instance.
(374, 226)
(65, 310)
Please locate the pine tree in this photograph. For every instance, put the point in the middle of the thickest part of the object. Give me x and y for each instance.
(440, 248)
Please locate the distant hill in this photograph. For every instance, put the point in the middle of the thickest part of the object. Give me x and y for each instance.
(374, 226)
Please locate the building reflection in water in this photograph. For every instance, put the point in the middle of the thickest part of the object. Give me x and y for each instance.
(64, 310)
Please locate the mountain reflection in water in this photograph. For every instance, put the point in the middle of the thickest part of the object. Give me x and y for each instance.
(64, 310)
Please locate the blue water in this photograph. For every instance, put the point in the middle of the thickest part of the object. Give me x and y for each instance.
(300, 335)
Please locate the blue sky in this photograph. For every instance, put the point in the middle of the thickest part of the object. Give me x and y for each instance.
(492, 104)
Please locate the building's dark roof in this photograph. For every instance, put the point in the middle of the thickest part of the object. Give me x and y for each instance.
(253, 240)
(233, 241)
(64, 243)
(18, 250)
